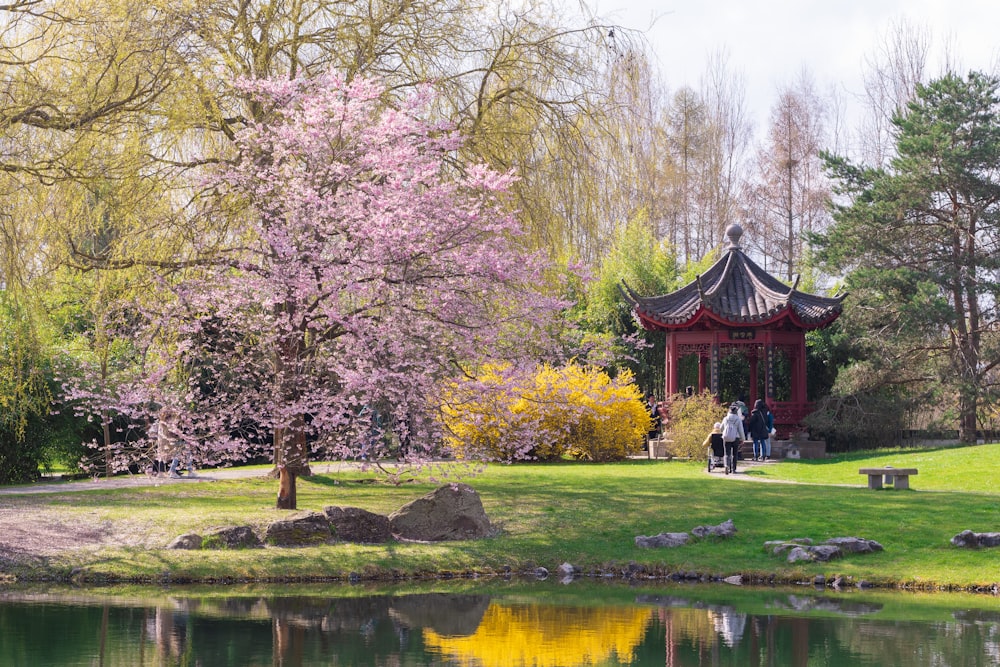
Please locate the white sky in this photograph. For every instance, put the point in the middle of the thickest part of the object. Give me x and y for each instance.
(770, 41)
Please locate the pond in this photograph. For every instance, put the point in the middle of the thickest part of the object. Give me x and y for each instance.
(494, 624)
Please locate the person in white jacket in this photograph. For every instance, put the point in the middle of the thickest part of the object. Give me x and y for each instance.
(732, 436)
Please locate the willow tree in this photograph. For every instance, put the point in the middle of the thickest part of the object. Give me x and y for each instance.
(118, 111)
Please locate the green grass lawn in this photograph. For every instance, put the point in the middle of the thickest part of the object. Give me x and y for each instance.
(584, 514)
(968, 469)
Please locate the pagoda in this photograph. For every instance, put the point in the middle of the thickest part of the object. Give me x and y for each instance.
(737, 308)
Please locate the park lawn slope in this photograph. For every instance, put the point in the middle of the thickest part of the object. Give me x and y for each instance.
(971, 468)
(584, 514)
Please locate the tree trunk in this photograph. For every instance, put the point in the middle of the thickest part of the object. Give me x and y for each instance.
(967, 404)
(291, 457)
(286, 489)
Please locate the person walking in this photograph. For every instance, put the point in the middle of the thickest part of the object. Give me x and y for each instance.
(732, 436)
(654, 418)
(758, 429)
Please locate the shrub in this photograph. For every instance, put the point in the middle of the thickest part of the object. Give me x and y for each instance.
(865, 420)
(545, 414)
(691, 420)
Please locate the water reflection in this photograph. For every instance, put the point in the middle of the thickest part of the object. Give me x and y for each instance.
(538, 627)
(546, 636)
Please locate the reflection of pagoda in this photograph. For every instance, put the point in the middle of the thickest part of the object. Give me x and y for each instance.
(738, 310)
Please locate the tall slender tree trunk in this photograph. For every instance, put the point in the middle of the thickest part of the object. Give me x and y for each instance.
(967, 404)
(291, 457)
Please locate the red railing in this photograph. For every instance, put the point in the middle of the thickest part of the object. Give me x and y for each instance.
(788, 416)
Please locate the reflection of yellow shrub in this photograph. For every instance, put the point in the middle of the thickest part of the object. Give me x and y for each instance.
(691, 420)
(544, 635)
(573, 410)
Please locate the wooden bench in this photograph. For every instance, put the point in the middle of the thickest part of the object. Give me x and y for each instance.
(898, 477)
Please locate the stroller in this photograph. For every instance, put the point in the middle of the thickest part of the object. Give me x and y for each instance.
(716, 453)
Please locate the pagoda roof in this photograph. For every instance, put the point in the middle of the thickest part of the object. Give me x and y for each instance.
(735, 292)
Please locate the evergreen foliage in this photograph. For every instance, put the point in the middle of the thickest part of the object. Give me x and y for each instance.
(918, 242)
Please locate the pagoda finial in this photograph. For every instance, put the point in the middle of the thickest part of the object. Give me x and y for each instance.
(734, 232)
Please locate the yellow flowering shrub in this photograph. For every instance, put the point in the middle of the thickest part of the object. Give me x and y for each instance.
(554, 411)
(546, 635)
(691, 420)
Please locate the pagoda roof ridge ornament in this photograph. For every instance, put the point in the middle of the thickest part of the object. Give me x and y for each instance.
(734, 233)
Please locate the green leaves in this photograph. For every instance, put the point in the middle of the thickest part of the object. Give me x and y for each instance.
(918, 239)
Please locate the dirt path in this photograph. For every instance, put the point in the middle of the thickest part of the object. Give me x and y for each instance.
(30, 533)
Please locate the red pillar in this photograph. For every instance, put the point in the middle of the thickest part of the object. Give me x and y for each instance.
(702, 372)
(671, 365)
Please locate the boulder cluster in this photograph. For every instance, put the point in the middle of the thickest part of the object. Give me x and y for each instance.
(971, 540)
(451, 512)
(803, 548)
(724, 529)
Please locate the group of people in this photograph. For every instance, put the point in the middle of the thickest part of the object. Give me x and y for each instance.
(737, 426)
(658, 416)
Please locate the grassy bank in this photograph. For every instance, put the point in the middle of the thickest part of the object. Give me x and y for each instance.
(587, 515)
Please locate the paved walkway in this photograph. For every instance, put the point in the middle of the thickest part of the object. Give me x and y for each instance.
(126, 481)
(216, 474)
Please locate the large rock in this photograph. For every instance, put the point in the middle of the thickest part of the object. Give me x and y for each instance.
(821, 552)
(725, 529)
(971, 540)
(186, 541)
(801, 548)
(235, 537)
(303, 529)
(799, 553)
(353, 524)
(663, 540)
(452, 512)
(858, 545)
(778, 547)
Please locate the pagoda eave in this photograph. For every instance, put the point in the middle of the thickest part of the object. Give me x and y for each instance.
(705, 319)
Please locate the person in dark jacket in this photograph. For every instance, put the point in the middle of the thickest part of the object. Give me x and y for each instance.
(758, 429)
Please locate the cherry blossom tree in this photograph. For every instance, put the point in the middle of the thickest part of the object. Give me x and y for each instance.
(371, 266)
